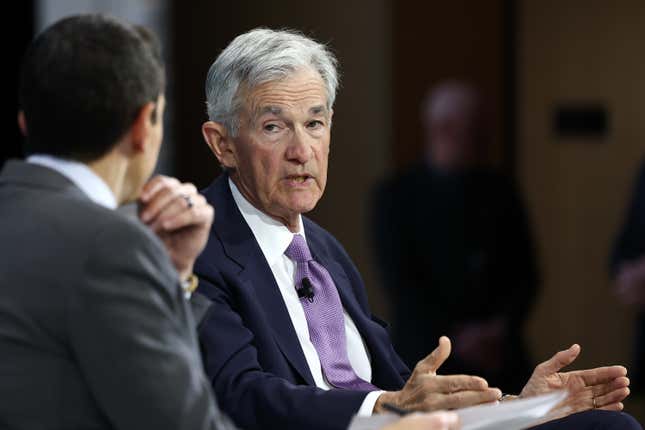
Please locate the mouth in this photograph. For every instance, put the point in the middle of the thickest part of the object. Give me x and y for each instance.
(303, 179)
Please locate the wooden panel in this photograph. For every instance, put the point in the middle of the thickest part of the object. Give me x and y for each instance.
(577, 190)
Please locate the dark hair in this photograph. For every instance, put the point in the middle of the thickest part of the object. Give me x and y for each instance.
(83, 82)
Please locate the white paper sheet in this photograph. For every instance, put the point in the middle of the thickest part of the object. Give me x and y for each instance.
(511, 415)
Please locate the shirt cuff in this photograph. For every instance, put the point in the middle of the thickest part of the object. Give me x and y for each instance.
(368, 404)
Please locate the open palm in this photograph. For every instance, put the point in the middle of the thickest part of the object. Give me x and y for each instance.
(601, 387)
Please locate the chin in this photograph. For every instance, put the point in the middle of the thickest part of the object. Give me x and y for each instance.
(304, 207)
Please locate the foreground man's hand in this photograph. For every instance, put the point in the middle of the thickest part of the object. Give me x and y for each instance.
(432, 421)
(427, 391)
(599, 388)
(180, 216)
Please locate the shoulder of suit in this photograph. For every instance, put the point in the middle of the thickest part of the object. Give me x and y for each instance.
(125, 240)
(110, 229)
(129, 231)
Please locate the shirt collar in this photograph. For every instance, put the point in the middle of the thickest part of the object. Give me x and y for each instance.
(81, 175)
(272, 236)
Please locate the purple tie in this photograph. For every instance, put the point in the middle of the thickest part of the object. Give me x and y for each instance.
(325, 319)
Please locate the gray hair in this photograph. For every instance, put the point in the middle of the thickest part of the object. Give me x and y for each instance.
(259, 56)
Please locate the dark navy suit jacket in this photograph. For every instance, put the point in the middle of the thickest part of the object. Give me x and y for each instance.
(251, 351)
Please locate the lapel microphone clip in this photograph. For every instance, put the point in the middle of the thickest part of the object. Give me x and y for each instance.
(307, 290)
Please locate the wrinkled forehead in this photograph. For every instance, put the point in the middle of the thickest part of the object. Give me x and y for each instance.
(302, 89)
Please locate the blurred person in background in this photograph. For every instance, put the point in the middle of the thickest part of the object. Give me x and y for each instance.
(459, 260)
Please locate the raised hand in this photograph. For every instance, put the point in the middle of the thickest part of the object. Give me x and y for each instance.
(427, 391)
(599, 388)
(180, 216)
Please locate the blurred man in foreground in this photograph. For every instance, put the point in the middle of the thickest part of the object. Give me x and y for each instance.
(95, 331)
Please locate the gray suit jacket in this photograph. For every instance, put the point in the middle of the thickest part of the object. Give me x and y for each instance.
(94, 330)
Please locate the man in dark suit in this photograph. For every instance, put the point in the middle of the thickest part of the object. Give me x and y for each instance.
(291, 342)
(95, 329)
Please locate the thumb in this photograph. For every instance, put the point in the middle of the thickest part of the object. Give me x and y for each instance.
(559, 360)
(436, 358)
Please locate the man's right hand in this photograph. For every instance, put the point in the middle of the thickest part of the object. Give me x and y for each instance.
(180, 216)
(427, 391)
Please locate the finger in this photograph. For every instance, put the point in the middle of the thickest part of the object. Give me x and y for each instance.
(454, 383)
(600, 375)
(436, 358)
(612, 397)
(463, 399)
(164, 197)
(613, 407)
(157, 197)
(151, 187)
(201, 215)
(559, 360)
(173, 208)
(616, 384)
(180, 209)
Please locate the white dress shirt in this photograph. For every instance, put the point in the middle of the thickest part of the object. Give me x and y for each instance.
(81, 175)
(274, 238)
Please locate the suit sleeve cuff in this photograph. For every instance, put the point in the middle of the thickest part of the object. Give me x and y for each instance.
(368, 403)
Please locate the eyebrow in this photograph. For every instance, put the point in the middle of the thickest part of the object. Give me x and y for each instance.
(317, 110)
(277, 110)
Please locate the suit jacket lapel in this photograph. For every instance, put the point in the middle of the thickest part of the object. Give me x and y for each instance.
(255, 274)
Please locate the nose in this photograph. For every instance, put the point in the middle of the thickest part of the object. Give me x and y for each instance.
(300, 147)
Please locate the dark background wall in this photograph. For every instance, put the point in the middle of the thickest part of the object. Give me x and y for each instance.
(20, 37)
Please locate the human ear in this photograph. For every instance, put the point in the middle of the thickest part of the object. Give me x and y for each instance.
(142, 126)
(220, 143)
